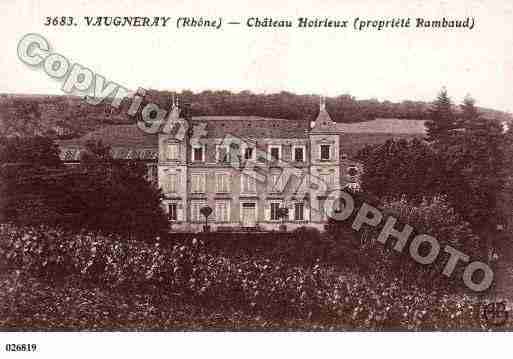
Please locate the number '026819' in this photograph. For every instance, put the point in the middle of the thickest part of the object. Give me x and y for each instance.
(20, 347)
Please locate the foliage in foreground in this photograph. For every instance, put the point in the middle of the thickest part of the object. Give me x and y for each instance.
(157, 276)
(100, 193)
(436, 218)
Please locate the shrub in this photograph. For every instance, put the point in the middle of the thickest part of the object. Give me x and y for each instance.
(99, 194)
(260, 287)
(435, 218)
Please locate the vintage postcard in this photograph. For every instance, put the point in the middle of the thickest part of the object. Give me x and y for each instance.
(232, 166)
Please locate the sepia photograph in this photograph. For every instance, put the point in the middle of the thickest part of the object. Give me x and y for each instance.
(178, 168)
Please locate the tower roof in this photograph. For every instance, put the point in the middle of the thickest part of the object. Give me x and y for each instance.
(173, 116)
(323, 122)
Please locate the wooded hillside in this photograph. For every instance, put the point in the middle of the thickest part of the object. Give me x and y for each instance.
(66, 116)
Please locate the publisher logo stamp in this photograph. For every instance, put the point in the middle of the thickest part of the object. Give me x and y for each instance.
(495, 313)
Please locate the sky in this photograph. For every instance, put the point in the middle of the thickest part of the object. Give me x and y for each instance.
(393, 64)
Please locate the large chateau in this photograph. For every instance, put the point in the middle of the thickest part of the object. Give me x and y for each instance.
(247, 185)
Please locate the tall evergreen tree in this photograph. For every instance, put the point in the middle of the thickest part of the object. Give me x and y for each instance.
(469, 111)
(442, 120)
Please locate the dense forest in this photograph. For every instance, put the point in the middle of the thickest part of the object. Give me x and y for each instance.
(65, 116)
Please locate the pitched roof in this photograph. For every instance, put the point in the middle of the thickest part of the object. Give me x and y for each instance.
(252, 127)
(126, 142)
(116, 135)
(323, 122)
(384, 125)
(129, 142)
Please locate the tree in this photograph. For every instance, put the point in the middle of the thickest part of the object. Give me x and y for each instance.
(27, 166)
(441, 119)
(206, 212)
(467, 166)
(400, 168)
(114, 195)
(469, 111)
(101, 194)
(283, 213)
(20, 117)
(474, 171)
(35, 151)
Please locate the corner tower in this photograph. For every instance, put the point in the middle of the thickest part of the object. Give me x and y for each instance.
(172, 166)
(325, 160)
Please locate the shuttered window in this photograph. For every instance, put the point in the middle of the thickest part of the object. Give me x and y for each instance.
(325, 152)
(248, 153)
(275, 182)
(275, 152)
(198, 183)
(248, 184)
(198, 154)
(222, 211)
(173, 212)
(222, 183)
(172, 151)
(328, 179)
(275, 210)
(299, 210)
(173, 183)
(299, 154)
(196, 215)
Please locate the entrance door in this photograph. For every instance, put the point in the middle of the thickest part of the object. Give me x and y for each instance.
(248, 214)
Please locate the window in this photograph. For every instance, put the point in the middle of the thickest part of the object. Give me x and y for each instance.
(196, 215)
(322, 210)
(197, 154)
(151, 174)
(222, 183)
(198, 182)
(299, 154)
(275, 211)
(248, 184)
(69, 156)
(172, 151)
(274, 182)
(223, 155)
(222, 211)
(299, 210)
(328, 179)
(248, 153)
(173, 183)
(275, 152)
(172, 213)
(325, 152)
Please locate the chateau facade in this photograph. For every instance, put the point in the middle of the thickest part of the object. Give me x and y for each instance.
(246, 169)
